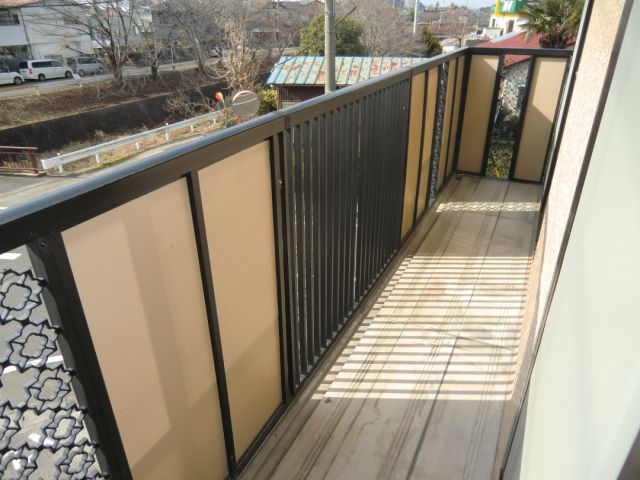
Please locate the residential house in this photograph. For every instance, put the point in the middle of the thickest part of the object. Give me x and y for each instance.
(30, 30)
(507, 15)
(300, 78)
(278, 23)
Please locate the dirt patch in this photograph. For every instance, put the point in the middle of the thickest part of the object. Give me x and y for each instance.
(27, 109)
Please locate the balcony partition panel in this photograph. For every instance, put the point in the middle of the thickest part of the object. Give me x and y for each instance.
(136, 271)
(542, 103)
(477, 112)
(416, 119)
(236, 198)
(446, 122)
(455, 117)
(427, 140)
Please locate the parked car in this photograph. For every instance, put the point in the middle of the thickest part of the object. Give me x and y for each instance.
(85, 66)
(7, 76)
(44, 69)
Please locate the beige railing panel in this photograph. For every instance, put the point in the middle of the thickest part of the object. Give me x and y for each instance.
(413, 152)
(448, 109)
(137, 273)
(425, 172)
(456, 113)
(546, 85)
(236, 196)
(482, 78)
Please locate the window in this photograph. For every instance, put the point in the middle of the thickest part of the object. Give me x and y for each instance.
(4, 70)
(9, 17)
(510, 26)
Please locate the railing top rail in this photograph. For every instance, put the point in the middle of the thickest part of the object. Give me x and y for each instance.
(535, 52)
(81, 201)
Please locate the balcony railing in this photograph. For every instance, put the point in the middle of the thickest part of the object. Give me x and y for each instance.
(176, 306)
(19, 159)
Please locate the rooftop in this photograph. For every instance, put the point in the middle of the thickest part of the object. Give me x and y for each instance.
(513, 40)
(309, 70)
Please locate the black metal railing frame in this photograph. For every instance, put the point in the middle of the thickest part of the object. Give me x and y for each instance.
(39, 224)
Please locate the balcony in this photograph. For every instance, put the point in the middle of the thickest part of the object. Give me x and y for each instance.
(336, 290)
(418, 385)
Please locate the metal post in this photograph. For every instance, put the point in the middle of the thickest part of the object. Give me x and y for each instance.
(330, 45)
(415, 18)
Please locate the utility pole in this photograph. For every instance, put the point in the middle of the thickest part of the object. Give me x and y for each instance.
(330, 45)
(415, 18)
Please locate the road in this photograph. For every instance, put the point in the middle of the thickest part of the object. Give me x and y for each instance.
(31, 87)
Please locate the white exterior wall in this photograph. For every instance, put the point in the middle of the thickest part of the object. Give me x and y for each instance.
(47, 34)
(582, 412)
(502, 22)
(11, 35)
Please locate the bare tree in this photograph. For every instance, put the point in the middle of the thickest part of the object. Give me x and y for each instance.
(386, 29)
(275, 26)
(239, 65)
(109, 23)
(199, 24)
(452, 22)
(151, 46)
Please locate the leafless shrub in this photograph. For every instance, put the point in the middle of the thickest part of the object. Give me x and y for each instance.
(238, 65)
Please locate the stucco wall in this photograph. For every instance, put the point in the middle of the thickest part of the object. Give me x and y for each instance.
(582, 412)
(590, 76)
(601, 33)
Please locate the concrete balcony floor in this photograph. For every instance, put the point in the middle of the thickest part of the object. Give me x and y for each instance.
(418, 385)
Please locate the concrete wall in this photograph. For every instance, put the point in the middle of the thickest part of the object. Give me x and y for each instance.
(582, 413)
(58, 132)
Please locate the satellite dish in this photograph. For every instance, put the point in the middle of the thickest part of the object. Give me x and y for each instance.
(245, 103)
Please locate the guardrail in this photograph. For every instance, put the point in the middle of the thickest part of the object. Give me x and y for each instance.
(19, 160)
(96, 150)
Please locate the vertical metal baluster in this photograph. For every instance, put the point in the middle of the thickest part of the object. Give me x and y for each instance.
(333, 135)
(307, 187)
(300, 253)
(317, 233)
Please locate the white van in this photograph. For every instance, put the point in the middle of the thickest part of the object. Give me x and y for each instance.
(44, 69)
(85, 66)
(7, 76)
